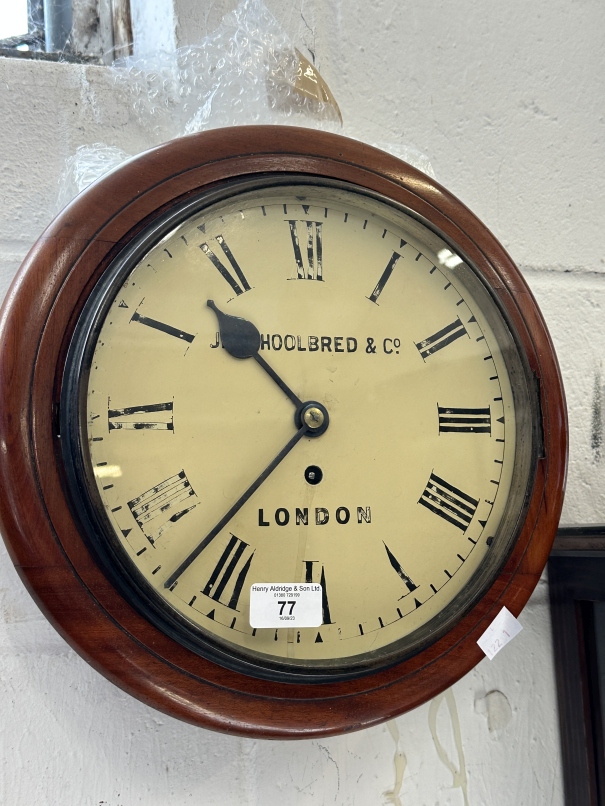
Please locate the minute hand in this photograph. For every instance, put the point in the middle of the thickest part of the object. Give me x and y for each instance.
(236, 507)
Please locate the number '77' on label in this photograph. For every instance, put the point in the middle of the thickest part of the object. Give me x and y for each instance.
(285, 604)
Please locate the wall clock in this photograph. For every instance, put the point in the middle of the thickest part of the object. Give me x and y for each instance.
(276, 357)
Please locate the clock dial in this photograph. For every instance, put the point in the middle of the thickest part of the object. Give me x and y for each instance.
(190, 373)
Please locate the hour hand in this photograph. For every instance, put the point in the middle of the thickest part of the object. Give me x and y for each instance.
(241, 339)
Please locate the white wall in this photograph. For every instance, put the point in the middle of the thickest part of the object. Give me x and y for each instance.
(507, 100)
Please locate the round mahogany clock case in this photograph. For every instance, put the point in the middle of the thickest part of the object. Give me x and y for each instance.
(276, 358)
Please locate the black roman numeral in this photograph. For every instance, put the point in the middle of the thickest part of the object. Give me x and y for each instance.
(325, 607)
(464, 421)
(384, 278)
(243, 285)
(225, 569)
(400, 572)
(160, 507)
(448, 502)
(312, 237)
(441, 339)
(119, 419)
(153, 323)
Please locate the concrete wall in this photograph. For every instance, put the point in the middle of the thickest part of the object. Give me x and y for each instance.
(507, 100)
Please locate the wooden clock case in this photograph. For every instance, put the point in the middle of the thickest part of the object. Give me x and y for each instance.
(36, 323)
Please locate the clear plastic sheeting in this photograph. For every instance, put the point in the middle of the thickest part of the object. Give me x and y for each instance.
(246, 72)
(85, 166)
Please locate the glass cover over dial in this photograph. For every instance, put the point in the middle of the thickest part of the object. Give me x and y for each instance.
(294, 382)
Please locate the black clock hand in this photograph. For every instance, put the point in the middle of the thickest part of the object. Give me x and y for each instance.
(304, 429)
(241, 339)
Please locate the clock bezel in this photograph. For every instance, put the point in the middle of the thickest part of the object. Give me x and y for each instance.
(95, 526)
(37, 322)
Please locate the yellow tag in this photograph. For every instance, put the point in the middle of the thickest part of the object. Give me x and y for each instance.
(308, 82)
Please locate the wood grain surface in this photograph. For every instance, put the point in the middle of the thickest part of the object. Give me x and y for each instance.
(36, 323)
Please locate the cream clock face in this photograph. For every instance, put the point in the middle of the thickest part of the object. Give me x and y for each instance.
(403, 505)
